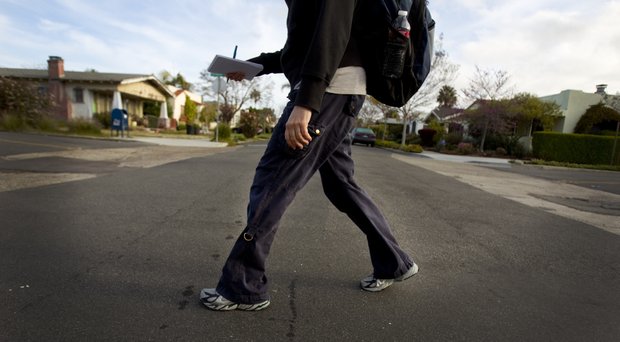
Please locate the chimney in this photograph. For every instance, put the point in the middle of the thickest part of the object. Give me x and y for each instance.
(55, 67)
(600, 89)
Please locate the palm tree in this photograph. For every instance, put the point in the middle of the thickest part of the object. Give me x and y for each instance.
(447, 97)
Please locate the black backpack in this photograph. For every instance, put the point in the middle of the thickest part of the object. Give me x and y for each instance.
(377, 18)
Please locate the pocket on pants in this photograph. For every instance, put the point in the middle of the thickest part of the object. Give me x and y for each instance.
(315, 131)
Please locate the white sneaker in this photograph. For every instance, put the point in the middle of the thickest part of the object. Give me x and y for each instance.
(214, 301)
(373, 284)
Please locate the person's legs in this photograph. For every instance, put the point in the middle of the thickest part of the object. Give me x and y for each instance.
(279, 175)
(388, 259)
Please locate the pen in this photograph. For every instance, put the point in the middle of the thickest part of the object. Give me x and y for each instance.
(234, 56)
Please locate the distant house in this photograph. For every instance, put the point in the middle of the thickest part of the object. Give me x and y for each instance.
(451, 117)
(178, 102)
(574, 104)
(82, 94)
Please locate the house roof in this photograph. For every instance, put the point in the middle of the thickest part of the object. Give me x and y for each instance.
(72, 75)
(84, 76)
(444, 112)
(196, 98)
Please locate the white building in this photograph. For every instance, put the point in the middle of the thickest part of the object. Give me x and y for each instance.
(178, 102)
(574, 104)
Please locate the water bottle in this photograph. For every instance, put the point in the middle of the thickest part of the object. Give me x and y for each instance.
(396, 47)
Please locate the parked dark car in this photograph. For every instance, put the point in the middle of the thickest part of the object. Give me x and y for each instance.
(361, 135)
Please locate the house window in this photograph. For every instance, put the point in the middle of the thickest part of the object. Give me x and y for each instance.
(79, 95)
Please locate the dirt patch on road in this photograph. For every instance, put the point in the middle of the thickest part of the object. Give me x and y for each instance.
(560, 198)
(133, 157)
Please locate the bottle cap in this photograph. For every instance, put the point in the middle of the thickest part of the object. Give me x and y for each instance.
(403, 13)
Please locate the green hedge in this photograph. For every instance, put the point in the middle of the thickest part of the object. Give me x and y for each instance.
(575, 148)
(394, 145)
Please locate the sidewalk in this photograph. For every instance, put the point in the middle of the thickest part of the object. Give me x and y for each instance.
(463, 159)
(180, 142)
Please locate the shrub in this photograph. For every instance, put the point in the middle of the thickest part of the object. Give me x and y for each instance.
(47, 124)
(454, 138)
(392, 132)
(190, 110)
(387, 143)
(465, 148)
(427, 135)
(598, 118)
(224, 131)
(412, 148)
(413, 140)
(248, 123)
(394, 145)
(105, 119)
(84, 126)
(520, 151)
(150, 121)
(440, 131)
(12, 123)
(23, 102)
(574, 148)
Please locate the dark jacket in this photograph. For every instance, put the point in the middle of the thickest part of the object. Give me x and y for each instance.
(318, 42)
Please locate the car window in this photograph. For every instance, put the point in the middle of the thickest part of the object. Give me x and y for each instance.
(364, 130)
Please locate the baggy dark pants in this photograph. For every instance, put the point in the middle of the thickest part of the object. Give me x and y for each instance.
(281, 173)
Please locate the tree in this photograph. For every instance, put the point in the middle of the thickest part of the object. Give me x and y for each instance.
(21, 101)
(177, 81)
(386, 111)
(266, 118)
(190, 110)
(255, 95)
(612, 101)
(227, 112)
(597, 119)
(234, 95)
(447, 97)
(530, 111)
(207, 114)
(489, 84)
(166, 77)
(487, 117)
(369, 113)
(180, 82)
(489, 88)
(442, 72)
(248, 122)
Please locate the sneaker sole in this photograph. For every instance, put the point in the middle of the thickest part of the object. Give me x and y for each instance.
(410, 273)
(235, 306)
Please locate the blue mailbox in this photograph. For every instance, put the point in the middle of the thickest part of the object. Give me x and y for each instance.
(119, 121)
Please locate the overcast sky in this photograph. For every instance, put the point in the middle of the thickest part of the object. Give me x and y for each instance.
(545, 45)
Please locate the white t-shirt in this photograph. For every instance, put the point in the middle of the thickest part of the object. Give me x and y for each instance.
(349, 80)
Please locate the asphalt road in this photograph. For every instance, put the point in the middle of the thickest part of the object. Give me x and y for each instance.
(608, 181)
(18, 143)
(122, 257)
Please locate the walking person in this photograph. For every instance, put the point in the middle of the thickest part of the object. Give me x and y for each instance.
(322, 61)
